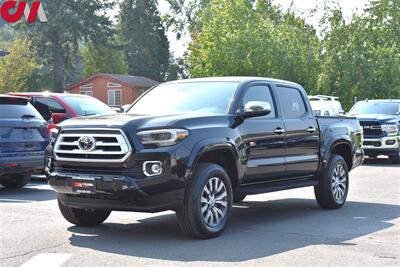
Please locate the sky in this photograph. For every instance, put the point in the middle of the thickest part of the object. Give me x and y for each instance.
(178, 47)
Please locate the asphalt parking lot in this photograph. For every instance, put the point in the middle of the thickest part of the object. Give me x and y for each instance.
(279, 229)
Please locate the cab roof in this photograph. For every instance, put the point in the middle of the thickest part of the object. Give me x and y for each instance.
(238, 79)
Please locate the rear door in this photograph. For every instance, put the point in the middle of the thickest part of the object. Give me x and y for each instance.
(22, 129)
(263, 137)
(302, 133)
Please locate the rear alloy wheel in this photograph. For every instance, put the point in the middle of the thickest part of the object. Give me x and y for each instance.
(83, 217)
(16, 181)
(206, 208)
(333, 187)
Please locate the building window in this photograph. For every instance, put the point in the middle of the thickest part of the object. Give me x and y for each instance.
(114, 98)
(89, 93)
(86, 86)
(113, 85)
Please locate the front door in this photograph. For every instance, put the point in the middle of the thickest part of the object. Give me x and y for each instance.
(263, 137)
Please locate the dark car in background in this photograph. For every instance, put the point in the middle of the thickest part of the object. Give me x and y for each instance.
(56, 108)
(380, 120)
(23, 140)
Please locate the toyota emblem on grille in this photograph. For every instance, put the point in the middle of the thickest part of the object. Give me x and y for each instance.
(86, 143)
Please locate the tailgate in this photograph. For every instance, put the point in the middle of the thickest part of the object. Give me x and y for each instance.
(23, 135)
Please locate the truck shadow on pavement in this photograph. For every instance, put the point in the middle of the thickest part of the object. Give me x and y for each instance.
(380, 162)
(34, 191)
(256, 230)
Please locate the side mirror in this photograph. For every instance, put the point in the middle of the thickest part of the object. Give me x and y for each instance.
(256, 109)
(125, 108)
(118, 109)
(57, 118)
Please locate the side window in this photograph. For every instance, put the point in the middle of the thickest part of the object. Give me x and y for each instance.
(292, 102)
(259, 93)
(46, 106)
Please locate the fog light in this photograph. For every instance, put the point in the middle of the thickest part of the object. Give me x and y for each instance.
(390, 142)
(152, 168)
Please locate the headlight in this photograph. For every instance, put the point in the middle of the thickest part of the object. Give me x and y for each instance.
(53, 134)
(164, 137)
(390, 129)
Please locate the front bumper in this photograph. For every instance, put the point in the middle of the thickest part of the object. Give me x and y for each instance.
(381, 146)
(123, 193)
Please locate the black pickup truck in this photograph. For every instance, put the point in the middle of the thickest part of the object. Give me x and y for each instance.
(197, 146)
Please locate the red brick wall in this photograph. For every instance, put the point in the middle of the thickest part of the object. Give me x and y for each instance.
(100, 90)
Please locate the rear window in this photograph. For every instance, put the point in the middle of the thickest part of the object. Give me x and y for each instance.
(14, 108)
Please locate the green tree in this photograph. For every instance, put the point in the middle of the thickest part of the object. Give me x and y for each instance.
(240, 38)
(69, 23)
(362, 58)
(18, 66)
(143, 37)
(101, 58)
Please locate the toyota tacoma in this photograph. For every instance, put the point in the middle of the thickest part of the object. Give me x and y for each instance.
(197, 146)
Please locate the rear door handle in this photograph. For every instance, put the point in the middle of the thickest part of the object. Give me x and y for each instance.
(311, 130)
(279, 131)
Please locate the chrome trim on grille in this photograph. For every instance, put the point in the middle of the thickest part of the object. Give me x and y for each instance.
(121, 146)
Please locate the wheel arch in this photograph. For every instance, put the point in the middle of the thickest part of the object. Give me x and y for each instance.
(223, 153)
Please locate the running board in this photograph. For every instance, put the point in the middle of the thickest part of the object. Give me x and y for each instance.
(260, 188)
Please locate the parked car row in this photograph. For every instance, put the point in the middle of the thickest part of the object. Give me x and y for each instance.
(192, 146)
(25, 123)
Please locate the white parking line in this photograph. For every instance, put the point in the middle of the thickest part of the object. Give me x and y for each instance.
(47, 260)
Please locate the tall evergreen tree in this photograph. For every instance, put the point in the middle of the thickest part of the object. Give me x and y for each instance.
(143, 37)
(69, 23)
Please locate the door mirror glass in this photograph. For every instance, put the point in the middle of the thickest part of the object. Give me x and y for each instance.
(256, 109)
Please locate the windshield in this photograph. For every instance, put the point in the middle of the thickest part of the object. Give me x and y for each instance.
(87, 106)
(386, 108)
(190, 97)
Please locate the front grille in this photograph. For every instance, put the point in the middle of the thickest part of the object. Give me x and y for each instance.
(104, 145)
(372, 143)
(371, 128)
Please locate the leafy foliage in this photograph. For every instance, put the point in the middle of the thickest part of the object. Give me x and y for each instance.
(105, 59)
(18, 66)
(143, 37)
(71, 22)
(262, 41)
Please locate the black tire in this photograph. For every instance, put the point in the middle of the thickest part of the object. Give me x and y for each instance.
(16, 181)
(395, 158)
(238, 197)
(325, 192)
(193, 213)
(82, 217)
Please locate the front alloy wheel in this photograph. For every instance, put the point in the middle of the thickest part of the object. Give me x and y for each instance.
(214, 202)
(207, 204)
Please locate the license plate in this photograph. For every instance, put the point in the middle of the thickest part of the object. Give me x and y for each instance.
(84, 185)
(27, 134)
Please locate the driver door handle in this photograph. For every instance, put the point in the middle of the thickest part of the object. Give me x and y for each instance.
(279, 131)
(311, 129)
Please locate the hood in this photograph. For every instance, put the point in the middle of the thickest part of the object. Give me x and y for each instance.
(377, 117)
(146, 121)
